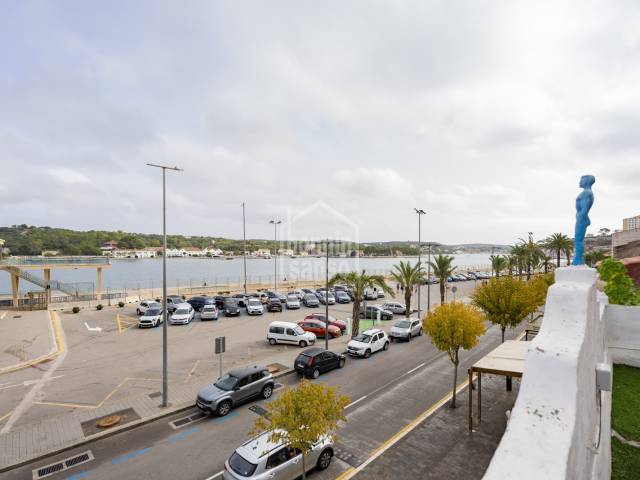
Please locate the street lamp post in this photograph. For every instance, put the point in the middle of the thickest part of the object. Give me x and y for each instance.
(326, 303)
(429, 279)
(275, 255)
(165, 383)
(420, 212)
(244, 248)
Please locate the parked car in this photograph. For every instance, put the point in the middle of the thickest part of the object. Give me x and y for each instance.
(306, 290)
(282, 297)
(198, 302)
(293, 302)
(146, 304)
(231, 308)
(405, 329)
(152, 317)
(371, 312)
(241, 299)
(380, 293)
(342, 297)
(368, 342)
(254, 307)
(327, 298)
(209, 312)
(318, 328)
(261, 459)
(298, 293)
(370, 295)
(395, 307)
(219, 301)
(274, 305)
(183, 315)
(310, 300)
(263, 297)
(287, 332)
(234, 388)
(315, 360)
(341, 324)
(172, 301)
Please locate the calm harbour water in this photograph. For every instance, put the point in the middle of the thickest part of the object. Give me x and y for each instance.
(147, 273)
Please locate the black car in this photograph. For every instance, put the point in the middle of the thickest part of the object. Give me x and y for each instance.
(241, 298)
(315, 360)
(274, 305)
(342, 297)
(371, 312)
(231, 308)
(219, 299)
(310, 300)
(198, 302)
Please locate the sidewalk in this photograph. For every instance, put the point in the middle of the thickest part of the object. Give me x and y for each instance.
(27, 338)
(25, 443)
(441, 447)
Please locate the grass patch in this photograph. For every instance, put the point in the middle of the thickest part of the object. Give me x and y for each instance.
(625, 414)
(625, 461)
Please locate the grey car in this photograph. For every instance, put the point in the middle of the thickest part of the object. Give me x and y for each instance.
(237, 386)
(405, 329)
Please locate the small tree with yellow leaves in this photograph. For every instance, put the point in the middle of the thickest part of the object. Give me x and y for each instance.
(302, 416)
(453, 326)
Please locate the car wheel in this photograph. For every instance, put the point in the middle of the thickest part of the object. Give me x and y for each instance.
(325, 460)
(420, 332)
(386, 346)
(224, 408)
(138, 311)
(342, 362)
(409, 337)
(303, 343)
(367, 353)
(392, 339)
(272, 341)
(267, 391)
(315, 373)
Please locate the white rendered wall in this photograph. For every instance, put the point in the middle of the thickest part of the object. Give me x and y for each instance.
(553, 429)
(623, 334)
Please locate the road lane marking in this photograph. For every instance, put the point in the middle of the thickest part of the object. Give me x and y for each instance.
(3, 315)
(183, 435)
(416, 368)
(30, 397)
(221, 472)
(26, 383)
(349, 473)
(356, 401)
(93, 329)
(5, 415)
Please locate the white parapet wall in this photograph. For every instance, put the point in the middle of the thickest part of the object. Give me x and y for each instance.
(555, 427)
(623, 334)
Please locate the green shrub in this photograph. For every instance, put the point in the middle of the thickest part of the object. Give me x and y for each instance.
(121, 304)
(99, 306)
(619, 285)
(75, 309)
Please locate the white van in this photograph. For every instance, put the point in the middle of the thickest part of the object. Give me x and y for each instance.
(287, 332)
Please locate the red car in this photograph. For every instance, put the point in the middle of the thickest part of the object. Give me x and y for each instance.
(317, 327)
(341, 324)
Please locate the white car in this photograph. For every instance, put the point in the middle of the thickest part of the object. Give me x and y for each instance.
(287, 332)
(146, 304)
(298, 293)
(208, 312)
(368, 342)
(395, 307)
(293, 302)
(254, 307)
(183, 314)
(152, 317)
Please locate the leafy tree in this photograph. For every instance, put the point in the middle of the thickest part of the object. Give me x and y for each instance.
(558, 243)
(619, 285)
(545, 261)
(594, 256)
(442, 267)
(530, 253)
(506, 301)
(302, 416)
(453, 326)
(359, 282)
(407, 276)
(498, 263)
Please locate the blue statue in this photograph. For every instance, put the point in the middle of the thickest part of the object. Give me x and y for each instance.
(583, 205)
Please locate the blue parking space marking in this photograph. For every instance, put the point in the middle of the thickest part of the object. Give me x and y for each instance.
(78, 476)
(129, 456)
(225, 418)
(181, 435)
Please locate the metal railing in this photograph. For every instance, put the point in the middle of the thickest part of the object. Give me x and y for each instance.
(48, 261)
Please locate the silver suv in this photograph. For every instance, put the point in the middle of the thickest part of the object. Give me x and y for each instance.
(237, 386)
(262, 459)
(405, 329)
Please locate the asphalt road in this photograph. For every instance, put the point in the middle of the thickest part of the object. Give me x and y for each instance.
(388, 390)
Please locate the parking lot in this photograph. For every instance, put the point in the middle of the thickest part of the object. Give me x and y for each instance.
(108, 358)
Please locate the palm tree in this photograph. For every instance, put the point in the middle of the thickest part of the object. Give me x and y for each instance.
(558, 243)
(531, 254)
(518, 258)
(498, 263)
(442, 269)
(408, 276)
(545, 261)
(358, 283)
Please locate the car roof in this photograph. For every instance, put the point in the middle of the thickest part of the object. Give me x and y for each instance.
(244, 371)
(183, 305)
(313, 351)
(256, 448)
(283, 324)
(371, 331)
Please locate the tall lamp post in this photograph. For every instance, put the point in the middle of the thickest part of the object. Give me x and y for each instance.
(429, 278)
(244, 248)
(326, 303)
(275, 256)
(165, 382)
(420, 212)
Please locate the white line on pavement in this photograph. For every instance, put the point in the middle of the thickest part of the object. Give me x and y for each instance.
(26, 383)
(416, 368)
(358, 400)
(215, 476)
(3, 315)
(92, 329)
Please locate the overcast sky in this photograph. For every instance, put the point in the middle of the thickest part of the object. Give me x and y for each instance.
(337, 117)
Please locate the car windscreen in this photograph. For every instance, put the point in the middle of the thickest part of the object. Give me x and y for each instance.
(292, 298)
(403, 324)
(310, 296)
(181, 311)
(254, 302)
(362, 338)
(209, 308)
(230, 303)
(241, 466)
(153, 311)
(298, 329)
(226, 382)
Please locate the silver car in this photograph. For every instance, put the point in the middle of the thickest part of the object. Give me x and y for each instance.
(237, 386)
(262, 459)
(293, 302)
(405, 329)
(395, 307)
